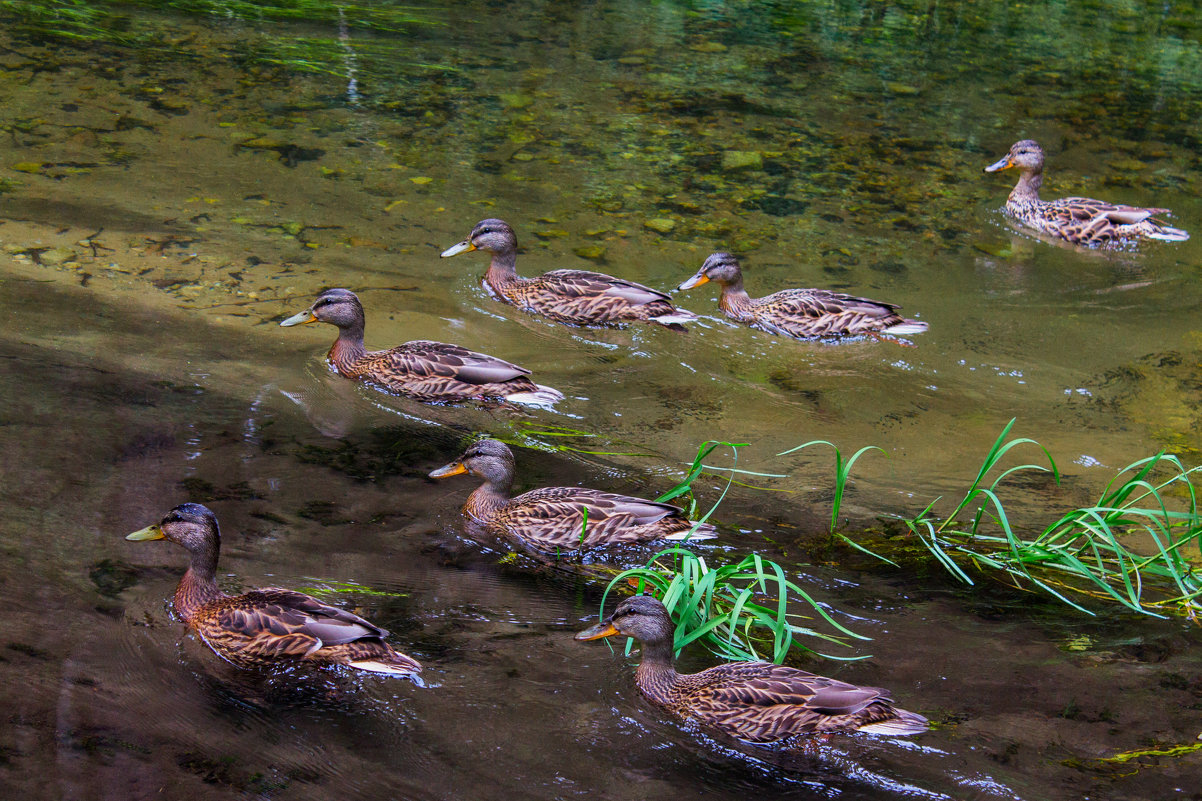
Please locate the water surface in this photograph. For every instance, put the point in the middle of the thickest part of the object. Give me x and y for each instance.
(171, 193)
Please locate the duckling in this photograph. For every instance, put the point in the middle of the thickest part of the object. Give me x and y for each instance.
(573, 297)
(1079, 220)
(757, 702)
(271, 626)
(801, 313)
(554, 518)
(428, 371)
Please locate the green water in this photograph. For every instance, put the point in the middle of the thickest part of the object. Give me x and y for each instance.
(173, 185)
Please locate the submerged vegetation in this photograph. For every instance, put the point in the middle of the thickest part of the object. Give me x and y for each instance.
(94, 20)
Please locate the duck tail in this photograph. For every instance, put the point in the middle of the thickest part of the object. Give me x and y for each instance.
(674, 319)
(905, 723)
(1167, 234)
(906, 327)
(699, 532)
(540, 396)
(392, 664)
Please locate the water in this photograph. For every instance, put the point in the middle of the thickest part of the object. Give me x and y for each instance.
(169, 198)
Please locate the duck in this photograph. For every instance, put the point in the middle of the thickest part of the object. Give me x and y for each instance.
(562, 518)
(1077, 220)
(572, 297)
(269, 626)
(435, 372)
(799, 313)
(756, 702)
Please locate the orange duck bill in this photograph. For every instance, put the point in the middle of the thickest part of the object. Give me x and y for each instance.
(453, 469)
(602, 629)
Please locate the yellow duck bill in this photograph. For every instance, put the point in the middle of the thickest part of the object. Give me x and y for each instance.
(465, 246)
(453, 469)
(149, 533)
(303, 318)
(603, 629)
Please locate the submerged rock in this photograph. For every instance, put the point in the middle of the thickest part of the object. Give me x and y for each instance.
(591, 252)
(733, 160)
(660, 225)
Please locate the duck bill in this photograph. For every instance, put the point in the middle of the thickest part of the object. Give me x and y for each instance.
(304, 318)
(149, 533)
(696, 280)
(1004, 163)
(603, 629)
(465, 246)
(453, 469)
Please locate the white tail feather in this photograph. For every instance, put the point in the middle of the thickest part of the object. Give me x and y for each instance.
(704, 531)
(904, 723)
(372, 666)
(542, 396)
(677, 317)
(907, 327)
(1166, 234)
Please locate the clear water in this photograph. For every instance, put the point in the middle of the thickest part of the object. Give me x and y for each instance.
(170, 196)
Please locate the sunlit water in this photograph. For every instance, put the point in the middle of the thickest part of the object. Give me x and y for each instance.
(166, 203)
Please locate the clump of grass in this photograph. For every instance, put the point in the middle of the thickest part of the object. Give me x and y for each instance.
(1129, 547)
(738, 610)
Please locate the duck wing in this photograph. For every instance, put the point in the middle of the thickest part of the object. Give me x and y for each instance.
(761, 702)
(818, 312)
(425, 359)
(583, 283)
(554, 517)
(278, 622)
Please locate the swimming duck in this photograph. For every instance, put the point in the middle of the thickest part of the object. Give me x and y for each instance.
(553, 518)
(757, 702)
(1079, 220)
(427, 371)
(574, 297)
(799, 313)
(270, 626)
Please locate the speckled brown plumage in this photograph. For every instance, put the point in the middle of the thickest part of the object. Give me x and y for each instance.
(553, 518)
(758, 702)
(801, 313)
(573, 297)
(1079, 220)
(269, 626)
(427, 371)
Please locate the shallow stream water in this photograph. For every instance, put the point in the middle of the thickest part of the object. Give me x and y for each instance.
(173, 187)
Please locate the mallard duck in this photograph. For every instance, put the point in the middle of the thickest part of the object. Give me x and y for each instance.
(270, 626)
(574, 297)
(1079, 220)
(801, 313)
(553, 518)
(757, 702)
(427, 371)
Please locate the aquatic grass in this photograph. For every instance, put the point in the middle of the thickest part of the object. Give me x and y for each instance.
(104, 19)
(348, 588)
(699, 468)
(119, 23)
(842, 474)
(1122, 761)
(739, 610)
(1132, 547)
